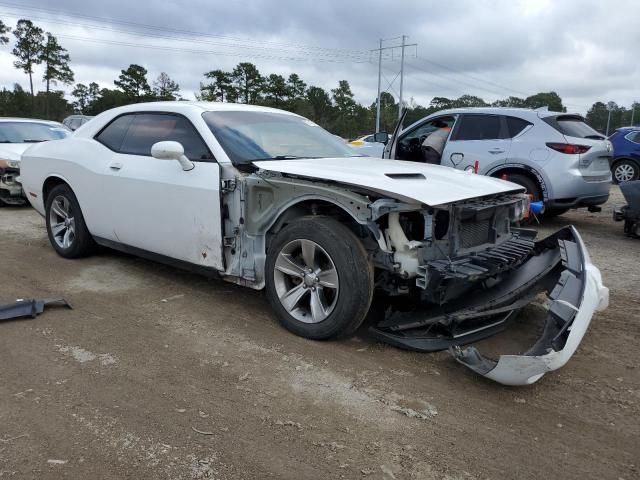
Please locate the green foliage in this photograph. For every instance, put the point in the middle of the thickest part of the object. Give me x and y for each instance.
(18, 103)
(248, 82)
(28, 47)
(275, 90)
(133, 83)
(220, 89)
(164, 88)
(4, 39)
(56, 63)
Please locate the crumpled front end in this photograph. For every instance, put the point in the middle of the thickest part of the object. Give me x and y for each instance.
(11, 192)
(511, 276)
(577, 294)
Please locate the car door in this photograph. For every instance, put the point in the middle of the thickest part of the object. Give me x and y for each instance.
(158, 207)
(409, 143)
(477, 137)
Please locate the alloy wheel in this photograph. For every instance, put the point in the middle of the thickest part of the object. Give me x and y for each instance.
(62, 222)
(306, 281)
(624, 172)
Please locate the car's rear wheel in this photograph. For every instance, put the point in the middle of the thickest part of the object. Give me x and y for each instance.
(625, 171)
(319, 279)
(66, 228)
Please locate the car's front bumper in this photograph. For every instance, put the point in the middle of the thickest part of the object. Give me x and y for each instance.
(561, 267)
(11, 191)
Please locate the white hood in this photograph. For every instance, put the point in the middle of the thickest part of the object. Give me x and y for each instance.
(13, 151)
(407, 181)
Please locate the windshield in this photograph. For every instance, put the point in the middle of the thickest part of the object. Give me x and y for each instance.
(30, 132)
(248, 136)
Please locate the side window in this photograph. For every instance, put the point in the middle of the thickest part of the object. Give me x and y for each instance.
(634, 137)
(480, 127)
(149, 128)
(410, 143)
(112, 135)
(516, 125)
(75, 123)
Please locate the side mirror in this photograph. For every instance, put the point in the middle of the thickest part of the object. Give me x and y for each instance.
(381, 137)
(171, 151)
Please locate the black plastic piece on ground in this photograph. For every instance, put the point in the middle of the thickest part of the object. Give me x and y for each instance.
(29, 308)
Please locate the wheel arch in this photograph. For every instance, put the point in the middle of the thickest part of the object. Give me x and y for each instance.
(522, 169)
(313, 205)
(50, 183)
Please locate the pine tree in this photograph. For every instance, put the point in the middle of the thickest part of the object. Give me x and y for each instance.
(29, 45)
(56, 66)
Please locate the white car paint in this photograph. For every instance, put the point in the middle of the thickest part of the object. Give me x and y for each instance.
(434, 188)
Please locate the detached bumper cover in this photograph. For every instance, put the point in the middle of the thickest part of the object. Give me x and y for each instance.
(577, 294)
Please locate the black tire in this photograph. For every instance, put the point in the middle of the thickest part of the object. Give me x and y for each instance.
(80, 243)
(531, 186)
(354, 272)
(629, 166)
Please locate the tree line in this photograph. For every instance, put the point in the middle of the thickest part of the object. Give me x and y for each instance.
(335, 109)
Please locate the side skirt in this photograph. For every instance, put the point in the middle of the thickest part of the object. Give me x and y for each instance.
(156, 257)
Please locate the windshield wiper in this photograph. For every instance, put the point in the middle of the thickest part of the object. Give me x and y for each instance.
(280, 157)
(32, 140)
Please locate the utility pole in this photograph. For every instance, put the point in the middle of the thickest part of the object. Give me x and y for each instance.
(633, 111)
(379, 92)
(609, 108)
(402, 46)
(401, 77)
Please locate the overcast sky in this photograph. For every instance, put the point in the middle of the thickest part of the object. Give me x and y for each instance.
(585, 50)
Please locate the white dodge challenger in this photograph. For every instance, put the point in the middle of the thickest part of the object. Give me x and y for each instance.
(268, 199)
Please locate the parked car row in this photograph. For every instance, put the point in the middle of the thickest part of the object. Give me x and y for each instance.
(269, 200)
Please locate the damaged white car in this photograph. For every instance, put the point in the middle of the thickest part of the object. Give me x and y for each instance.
(269, 200)
(16, 135)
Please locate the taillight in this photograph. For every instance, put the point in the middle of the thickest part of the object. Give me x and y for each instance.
(568, 148)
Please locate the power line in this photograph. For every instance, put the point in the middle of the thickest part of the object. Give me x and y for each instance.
(165, 31)
(202, 52)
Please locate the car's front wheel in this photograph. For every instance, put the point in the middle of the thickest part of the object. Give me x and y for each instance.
(66, 228)
(319, 279)
(625, 171)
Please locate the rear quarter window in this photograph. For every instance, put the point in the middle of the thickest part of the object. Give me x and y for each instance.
(516, 125)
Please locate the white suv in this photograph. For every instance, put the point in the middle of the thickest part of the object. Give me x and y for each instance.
(556, 156)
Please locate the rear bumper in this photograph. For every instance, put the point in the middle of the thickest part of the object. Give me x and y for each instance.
(561, 267)
(578, 202)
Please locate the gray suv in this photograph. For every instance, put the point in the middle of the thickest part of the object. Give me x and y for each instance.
(556, 156)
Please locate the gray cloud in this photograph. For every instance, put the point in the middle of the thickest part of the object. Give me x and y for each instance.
(586, 50)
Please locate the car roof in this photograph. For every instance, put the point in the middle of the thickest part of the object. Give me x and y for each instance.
(519, 112)
(182, 105)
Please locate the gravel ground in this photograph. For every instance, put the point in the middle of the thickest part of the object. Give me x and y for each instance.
(157, 373)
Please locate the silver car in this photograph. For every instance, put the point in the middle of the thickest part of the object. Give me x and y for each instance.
(556, 156)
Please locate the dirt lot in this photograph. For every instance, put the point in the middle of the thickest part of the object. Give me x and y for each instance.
(159, 374)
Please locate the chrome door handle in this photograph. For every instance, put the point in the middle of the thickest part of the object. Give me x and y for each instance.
(496, 150)
(115, 166)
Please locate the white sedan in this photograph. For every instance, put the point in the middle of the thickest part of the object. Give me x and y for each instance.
(268, 199)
